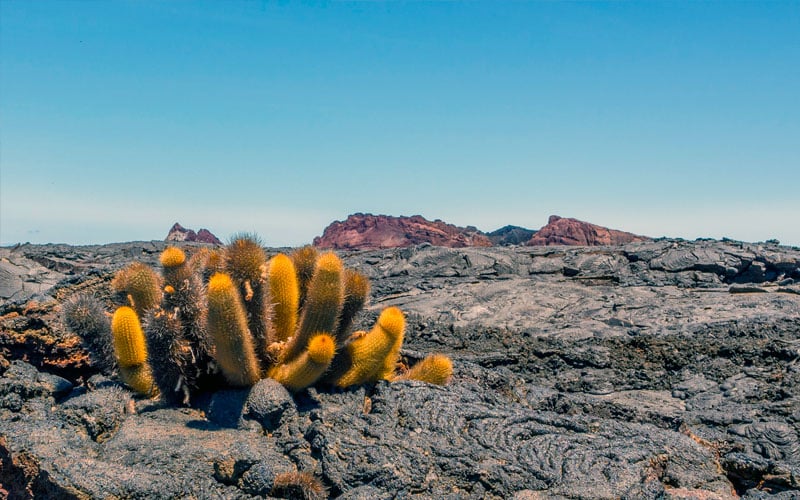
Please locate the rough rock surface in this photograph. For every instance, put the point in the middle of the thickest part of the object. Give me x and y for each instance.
(367, 231)
(510, 235)
(566, 231)
(660, 369)
(180, 233)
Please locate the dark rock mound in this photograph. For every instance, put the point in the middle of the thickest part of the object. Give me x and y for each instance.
(367, 231)
(510, 235)
(565, 231)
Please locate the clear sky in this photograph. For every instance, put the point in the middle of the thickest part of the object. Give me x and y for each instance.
(120, 118)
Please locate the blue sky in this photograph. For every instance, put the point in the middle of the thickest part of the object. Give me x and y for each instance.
(665, 119)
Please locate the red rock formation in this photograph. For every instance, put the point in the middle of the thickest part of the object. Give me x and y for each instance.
(565, 231)
(361, 231)
(180, 233)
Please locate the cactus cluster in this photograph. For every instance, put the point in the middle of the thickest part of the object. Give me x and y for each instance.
(231, 317)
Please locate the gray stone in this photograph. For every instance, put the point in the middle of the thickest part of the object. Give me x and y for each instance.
(634, 375)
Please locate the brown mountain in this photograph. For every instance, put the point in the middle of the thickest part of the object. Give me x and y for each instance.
(566, 231)
(362, 231)
(180, 233)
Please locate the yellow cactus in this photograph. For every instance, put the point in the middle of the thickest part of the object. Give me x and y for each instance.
(129, 343)
(139, 378)
(131, 351)
(323, 304)
(285, 296)
(366, 356)
(356, 293)
(244, 259)
(304, 262)
(246, 264)
(142, 285)
(434, 369)
(206, 262)
(309, 366)
(389, 365)
(172, 257)
(227, 325)
(175, 269)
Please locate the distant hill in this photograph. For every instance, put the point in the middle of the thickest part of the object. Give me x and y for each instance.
(511, 235)
(180, 233)
(566, 231)
(367, 231)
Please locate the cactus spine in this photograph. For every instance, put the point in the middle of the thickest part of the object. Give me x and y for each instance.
(434, 369)
(285, 296)
(323, 304)
(131, 351)
(364, 358)
(307, 368)
(227, 325)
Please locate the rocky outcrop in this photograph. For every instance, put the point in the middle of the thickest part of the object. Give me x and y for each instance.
(510, 235)
(566, 231)
(367, 231)
(616, 372)
(180, 233)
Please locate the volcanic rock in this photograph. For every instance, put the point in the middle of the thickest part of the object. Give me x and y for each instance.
(510, 235)
(584, 373)
(566, 231)
(367, 231)
(180, 233)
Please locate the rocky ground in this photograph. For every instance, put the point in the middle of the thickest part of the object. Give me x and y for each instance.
(663, 369)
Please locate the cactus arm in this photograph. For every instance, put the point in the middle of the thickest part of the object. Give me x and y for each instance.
(227, 326)
(285, 295)
(323, 304)
(142, 285)
(307, 368)
(366, 355)
(434, 369)
(356, 293)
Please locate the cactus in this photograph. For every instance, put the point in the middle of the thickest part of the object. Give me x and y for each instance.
(386, 372)
(364, 358)
(434, 369)
(85, 316)
(299, 485)
(229, 316)
(285, 296)
(139, 378)
(305, 260)
(175, 268)
(170, 356)
(246, 264)
(131, 351)
(323, 304)
(227, 325)
(129, 343)
(184, 295)
(142, 286)
(307, 368)
(172, 257)
(356, 293)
